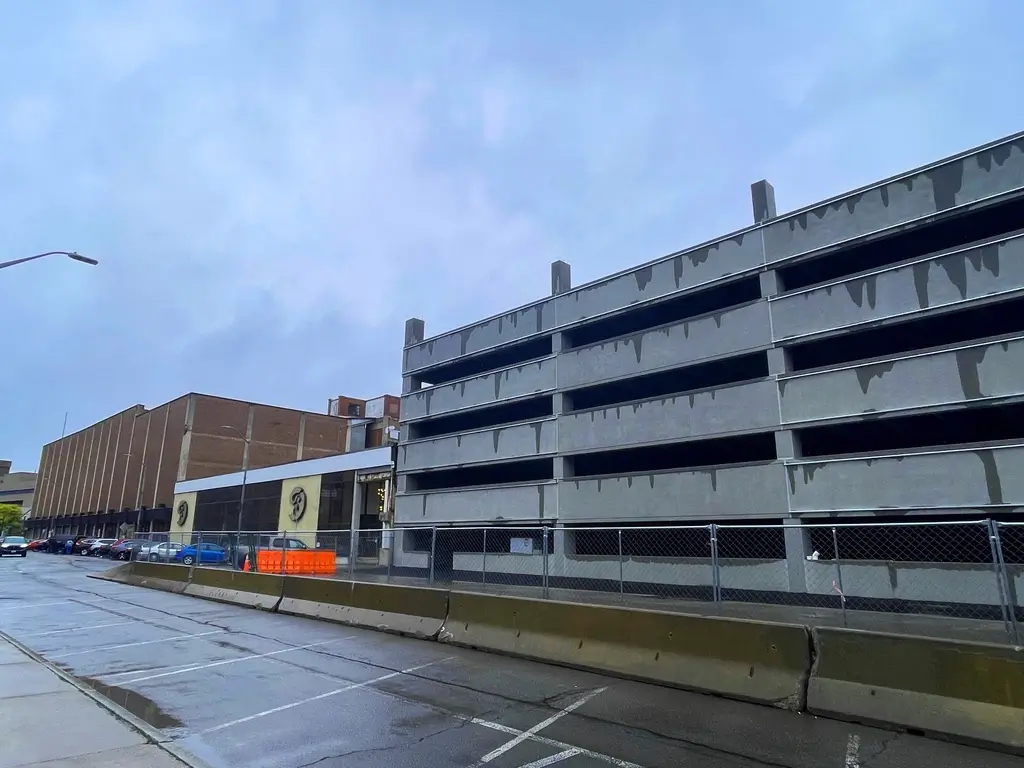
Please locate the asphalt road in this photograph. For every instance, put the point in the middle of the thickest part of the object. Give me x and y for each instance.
(239, 687)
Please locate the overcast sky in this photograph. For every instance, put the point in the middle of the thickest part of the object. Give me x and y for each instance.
(272, 188)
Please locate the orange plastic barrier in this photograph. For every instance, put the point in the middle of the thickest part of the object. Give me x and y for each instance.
(297, 562)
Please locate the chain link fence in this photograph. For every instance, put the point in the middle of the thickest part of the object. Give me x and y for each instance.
(968, 572)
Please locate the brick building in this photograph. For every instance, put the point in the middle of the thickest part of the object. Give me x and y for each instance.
(120, 472)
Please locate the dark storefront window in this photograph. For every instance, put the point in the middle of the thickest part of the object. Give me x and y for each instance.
(217, 508)
(336, 502)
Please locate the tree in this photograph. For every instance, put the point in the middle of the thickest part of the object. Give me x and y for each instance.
(10, 518)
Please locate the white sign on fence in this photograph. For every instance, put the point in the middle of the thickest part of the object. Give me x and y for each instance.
(520, 546)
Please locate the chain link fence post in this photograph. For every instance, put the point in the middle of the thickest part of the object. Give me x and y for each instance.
(433, 549)
(483, 564)
(392, 542)
(716, 571)
(838, 584)
(544, 540)
(199, 550)
(1005, 596)
(622, 583)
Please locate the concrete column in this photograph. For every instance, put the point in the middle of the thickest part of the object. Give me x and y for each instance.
(762, 197)
(414, 331)
(771, 284)
(778, 361)
(561, 277)
(787, 444)
(798, 549)
(357, 511)
(411, 384)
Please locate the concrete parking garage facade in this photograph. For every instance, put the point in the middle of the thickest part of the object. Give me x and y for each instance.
(859, 359)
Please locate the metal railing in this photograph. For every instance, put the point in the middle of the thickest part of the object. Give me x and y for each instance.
(961, 578)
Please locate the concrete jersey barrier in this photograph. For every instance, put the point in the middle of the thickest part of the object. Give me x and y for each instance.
(971, 691)
(166, 578)
(761, 662)
(253, 590)
(415, 611)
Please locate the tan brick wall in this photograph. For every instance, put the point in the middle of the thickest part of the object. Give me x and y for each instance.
(99, 468)
(274, 435)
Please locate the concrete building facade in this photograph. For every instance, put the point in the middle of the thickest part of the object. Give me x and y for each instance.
(17, 488)
(122, 471)
(862, 358)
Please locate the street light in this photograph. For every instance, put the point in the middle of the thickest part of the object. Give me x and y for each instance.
(245, 473)
(74, 256)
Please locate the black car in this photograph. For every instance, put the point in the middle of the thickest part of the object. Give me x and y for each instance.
(127, 549)
(14, 545)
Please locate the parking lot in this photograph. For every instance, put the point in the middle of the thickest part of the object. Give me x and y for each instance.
(238, 687)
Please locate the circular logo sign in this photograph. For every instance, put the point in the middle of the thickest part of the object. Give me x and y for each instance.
(298, 500)
(182, 513)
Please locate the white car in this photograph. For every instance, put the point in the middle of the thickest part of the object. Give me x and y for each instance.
(162, 552)
(14, 545)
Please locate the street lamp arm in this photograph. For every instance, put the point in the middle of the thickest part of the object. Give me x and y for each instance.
(70, 254)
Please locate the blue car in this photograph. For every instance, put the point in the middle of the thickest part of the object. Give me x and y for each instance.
(206, 553)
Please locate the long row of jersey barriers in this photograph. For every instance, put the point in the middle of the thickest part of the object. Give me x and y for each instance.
(965, 691)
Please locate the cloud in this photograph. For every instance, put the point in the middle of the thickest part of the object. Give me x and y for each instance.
(267, 179)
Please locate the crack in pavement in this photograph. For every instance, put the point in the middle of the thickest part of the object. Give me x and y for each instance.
(389, 747)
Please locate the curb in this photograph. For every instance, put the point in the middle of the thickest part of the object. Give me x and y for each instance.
(153, 735)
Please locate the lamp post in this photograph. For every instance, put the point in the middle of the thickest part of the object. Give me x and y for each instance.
(245, 473)
(70, 254)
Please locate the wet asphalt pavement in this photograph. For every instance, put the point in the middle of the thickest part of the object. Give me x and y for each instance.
(240, 687)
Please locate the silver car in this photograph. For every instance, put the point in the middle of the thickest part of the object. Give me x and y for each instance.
(161, 552)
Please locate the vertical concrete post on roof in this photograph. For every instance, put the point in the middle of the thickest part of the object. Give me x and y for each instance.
(561, 277)
(762, 197)
(414, 333)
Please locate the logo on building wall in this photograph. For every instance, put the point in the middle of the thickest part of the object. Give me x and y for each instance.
(182, 513)
(298, 500)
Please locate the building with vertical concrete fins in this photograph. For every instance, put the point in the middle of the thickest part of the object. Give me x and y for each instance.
(122, 471)
(859, 358)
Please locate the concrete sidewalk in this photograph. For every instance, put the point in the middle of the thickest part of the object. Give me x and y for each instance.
(47, 721)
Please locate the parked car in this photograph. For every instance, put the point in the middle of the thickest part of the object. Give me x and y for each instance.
(101, 547)
(56, 543)
(159, 552)
(267, 543)
(204, 553)
(37, 544)
(126, 549)
(82, 545)
(14, 545)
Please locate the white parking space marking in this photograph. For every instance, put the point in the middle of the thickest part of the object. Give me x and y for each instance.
(540, 726)
(32, 605)
(103, 648)
(852, 752)
(545, 761)
(221, 663)
(322, 696)
(556, 744)
(79, 629)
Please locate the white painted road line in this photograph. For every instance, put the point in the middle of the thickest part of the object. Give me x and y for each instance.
(556, 744)
(540, 726)
(134, 645)
(852, 752)
(546, 761)
(322, 696)
(78, 629)
(32, 605)
(221, 663)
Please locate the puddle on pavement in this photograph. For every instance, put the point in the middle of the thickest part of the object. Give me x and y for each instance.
(143, 708)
